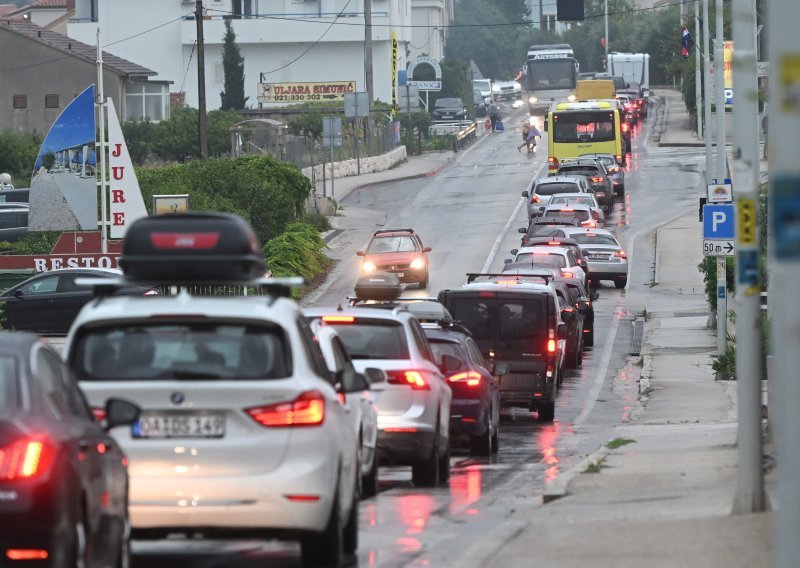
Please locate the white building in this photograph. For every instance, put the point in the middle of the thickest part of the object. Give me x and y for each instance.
(429, 19)
(285, 40)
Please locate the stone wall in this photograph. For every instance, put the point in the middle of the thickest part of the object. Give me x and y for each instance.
(348, 168)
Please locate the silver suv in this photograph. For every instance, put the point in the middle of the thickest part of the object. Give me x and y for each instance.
(414, 402)
(543, 189)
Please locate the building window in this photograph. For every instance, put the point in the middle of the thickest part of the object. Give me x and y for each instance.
(51, 101)
(20, 101)
(243, 8)
(146, 101)
(550, 22)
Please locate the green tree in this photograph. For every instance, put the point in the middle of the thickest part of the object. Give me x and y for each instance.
(233, 65)
(455, 82)
(17, 155)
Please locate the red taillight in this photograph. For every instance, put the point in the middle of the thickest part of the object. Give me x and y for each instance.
(472, 378)
(535, 199)
(99, 414)
(618, 157)
(486, 294)
(597, 179)
(624, 127)
(567, 273)
(414, 379)
(26, 554)
(551, 345)
(308, 409)
(590, 224)
(554, 243)
(338, 319)
(25, 459)
(301, 498)
(552, 163)
(620, 254)
(569, 209)
(184, 241)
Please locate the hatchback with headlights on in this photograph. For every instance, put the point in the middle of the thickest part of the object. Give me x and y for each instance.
(398, 251)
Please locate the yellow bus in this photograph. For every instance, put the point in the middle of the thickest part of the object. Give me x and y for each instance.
(586, 127)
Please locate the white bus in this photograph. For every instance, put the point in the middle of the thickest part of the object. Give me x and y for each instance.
(549, 75)
(633, 67)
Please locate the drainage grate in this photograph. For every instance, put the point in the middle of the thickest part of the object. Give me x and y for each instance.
(636, 340)
(332, 235)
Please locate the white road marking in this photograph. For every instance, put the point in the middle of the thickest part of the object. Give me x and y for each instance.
(504, 231)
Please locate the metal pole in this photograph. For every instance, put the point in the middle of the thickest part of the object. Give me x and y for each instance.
(697, 85)
(100, 104)
(750, 474)
(201, 80)
(707, 92)
(784, 192)
(333, 174)
(722, 293)
(606, 36)
(368, 50)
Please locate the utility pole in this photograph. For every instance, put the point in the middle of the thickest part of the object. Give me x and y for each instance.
(784, 192)
(750, 473)
(697, 86)
(707, 92)
(100, 104)
(722, 292)
(368, 50)
(606, 37)
(201, 79)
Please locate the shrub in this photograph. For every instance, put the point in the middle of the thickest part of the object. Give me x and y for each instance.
(297, 252)
(318, 221)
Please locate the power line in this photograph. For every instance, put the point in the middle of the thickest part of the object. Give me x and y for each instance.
(187, 65)
(172, 21)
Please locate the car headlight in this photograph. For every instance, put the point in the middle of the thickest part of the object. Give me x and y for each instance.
(495, 89)
(571, 98)
(368, 266)
(418, 264)
(533, 100)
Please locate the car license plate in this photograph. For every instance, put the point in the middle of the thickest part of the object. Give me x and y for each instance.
(598, 257)
(400, 274)
(179, 426)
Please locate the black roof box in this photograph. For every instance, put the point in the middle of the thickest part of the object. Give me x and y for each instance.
(192, 248)
(380, 286)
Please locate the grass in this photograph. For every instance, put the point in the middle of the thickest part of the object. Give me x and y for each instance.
(640, 362)
(595, 467)
(619, 442)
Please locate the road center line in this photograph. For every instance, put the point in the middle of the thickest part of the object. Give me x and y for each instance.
(504, 231)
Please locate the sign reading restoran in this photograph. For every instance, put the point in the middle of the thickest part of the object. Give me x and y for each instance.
(304, 92)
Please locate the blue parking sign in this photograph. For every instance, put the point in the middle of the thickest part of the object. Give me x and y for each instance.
(719, 221)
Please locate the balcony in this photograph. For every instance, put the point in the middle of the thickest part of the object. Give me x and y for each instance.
(287, 28)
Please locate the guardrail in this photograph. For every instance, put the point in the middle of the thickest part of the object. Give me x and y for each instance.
(463, 132)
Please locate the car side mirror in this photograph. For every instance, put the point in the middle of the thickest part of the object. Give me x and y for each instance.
(426, 249)
(360, 253)
(563, 331)
(507, 261)
(522, 230)
(514, 251)
(18, 293)
(525, 194)
(120, 413)
(450, 364)
(354, 382)
(500, 369)
(594, 295)
(375, 375)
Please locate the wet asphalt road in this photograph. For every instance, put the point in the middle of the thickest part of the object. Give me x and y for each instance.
(465, 214)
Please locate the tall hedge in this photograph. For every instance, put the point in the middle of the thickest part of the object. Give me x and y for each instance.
(269, 193)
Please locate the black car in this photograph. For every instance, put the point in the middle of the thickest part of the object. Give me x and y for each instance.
(475, 407)
(543, 226)
(50, 301)
(584, 303)
(449, 109)
(596, 176)
(63, 479)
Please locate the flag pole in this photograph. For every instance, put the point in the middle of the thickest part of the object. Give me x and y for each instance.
(100, 104)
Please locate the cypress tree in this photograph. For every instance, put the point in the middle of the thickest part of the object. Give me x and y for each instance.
(233, 65)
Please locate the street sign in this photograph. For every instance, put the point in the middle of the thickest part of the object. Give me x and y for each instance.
(331, 131)
(408, 99)
(712, 247)
(719, 192)
(786, 220)
(356, 104)
(304, 92)
(719, 222)
(747, 221)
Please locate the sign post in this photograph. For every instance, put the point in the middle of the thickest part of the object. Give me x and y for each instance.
(719, 230)
(331, 136)
(356, 105)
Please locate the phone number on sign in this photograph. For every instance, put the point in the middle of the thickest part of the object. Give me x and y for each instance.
(301, 98)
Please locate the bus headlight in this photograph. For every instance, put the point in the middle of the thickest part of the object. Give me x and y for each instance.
(533, 100)
(571, 98)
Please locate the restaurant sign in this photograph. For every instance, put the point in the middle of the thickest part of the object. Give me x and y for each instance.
(304, 92)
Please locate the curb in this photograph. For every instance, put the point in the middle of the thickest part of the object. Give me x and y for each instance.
(429, 173)
(645, 375)
(559, 487)
(657, 258)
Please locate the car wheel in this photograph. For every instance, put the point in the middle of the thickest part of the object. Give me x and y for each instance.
(425, 472)
(482, 445)
(444, 466)
(369, 484)
(350, 534)
(424, 283)
(496, 439)
(124, 555)
(79, 547)
(588, 338)
(547, 411)
(325, 548)
(621, 283)
(573, 357)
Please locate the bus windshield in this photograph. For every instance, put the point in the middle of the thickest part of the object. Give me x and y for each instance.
(551, 74)
(590, 126)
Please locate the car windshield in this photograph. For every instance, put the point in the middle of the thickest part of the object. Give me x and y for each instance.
(447, 103)
(9, 383)
(553, 188)
(590, 126)
(441, 347)
(594, 239)
(542, 258)
(586, 199)
(184, 351)
(378, 339)
(392, 244)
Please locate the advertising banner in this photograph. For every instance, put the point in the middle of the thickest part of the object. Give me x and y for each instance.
(727, 61)
(394, 73)
(125, 198)
(304, 92)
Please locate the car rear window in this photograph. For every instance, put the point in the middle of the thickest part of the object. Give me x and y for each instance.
(441, 347)
(580, 170)
(581, 214)
(556, 260)
(587, 200)
(553, 188)
(502, 318)
(519, 319)
(377, 339)
(183, 351)
(9, 382)
(594, 239)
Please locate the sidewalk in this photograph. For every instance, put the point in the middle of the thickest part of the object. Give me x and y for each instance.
(664, 498)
